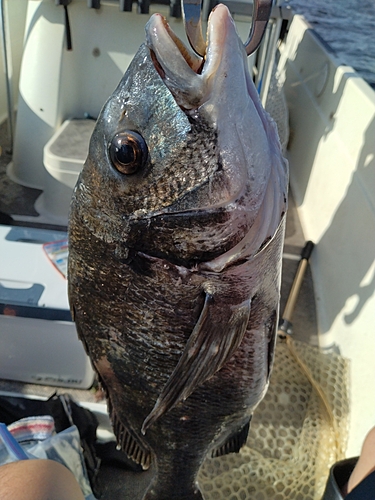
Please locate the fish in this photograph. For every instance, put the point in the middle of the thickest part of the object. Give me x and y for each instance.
(175, 244)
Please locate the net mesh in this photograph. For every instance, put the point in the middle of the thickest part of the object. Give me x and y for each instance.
(293, 439)
(277, 107)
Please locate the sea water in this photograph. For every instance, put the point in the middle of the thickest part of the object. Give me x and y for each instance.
(348, 26)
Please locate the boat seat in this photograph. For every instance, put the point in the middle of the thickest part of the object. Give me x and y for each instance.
(66, 151)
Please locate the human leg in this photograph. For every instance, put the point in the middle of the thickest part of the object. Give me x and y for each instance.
(38, 480)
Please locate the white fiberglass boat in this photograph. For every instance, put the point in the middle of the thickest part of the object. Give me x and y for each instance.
(56, 92)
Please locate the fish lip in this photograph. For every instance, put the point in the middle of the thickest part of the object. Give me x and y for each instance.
(187, 75)
(158, 29)
(159, 32)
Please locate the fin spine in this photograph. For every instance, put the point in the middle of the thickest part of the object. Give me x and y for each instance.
(128, 443)
(234, 443)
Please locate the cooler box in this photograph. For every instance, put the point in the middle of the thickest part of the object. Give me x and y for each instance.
(38, 340)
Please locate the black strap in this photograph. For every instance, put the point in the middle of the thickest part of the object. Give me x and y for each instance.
(69, 45)
(365, 490)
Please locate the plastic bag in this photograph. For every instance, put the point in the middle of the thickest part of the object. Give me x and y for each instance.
(34, 437)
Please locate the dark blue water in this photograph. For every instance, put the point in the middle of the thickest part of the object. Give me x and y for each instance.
(348, 26)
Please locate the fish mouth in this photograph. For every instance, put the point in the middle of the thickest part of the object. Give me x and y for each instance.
(188, 76)
(163, 39)
(248, 186)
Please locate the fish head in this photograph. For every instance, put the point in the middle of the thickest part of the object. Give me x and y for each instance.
(182, 140)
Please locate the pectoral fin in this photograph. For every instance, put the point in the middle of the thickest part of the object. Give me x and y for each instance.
(217, 334)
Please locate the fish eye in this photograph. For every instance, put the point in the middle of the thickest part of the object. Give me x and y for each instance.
(128, 152)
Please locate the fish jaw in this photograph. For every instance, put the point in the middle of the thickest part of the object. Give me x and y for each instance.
(215, 92)
(254, 182)
(191, 80)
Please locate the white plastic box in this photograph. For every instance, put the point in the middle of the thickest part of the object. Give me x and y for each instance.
(38, 340)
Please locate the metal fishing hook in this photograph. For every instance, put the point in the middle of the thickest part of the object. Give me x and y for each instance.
(191, 10)
(261, 15)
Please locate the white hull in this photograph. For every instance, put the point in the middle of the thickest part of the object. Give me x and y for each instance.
(332, 176)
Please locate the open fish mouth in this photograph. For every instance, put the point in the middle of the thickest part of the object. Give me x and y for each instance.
(244, 191)
(166, 40)
(188, 76)
(210, 171)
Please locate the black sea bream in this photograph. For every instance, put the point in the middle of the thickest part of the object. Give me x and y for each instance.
(175, 243)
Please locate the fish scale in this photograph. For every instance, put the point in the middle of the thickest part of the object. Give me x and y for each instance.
(170, 187)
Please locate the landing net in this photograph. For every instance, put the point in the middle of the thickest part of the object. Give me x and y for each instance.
(293, 439)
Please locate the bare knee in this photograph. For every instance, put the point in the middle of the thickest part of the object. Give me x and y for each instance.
(366, 462)
(38, 480)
